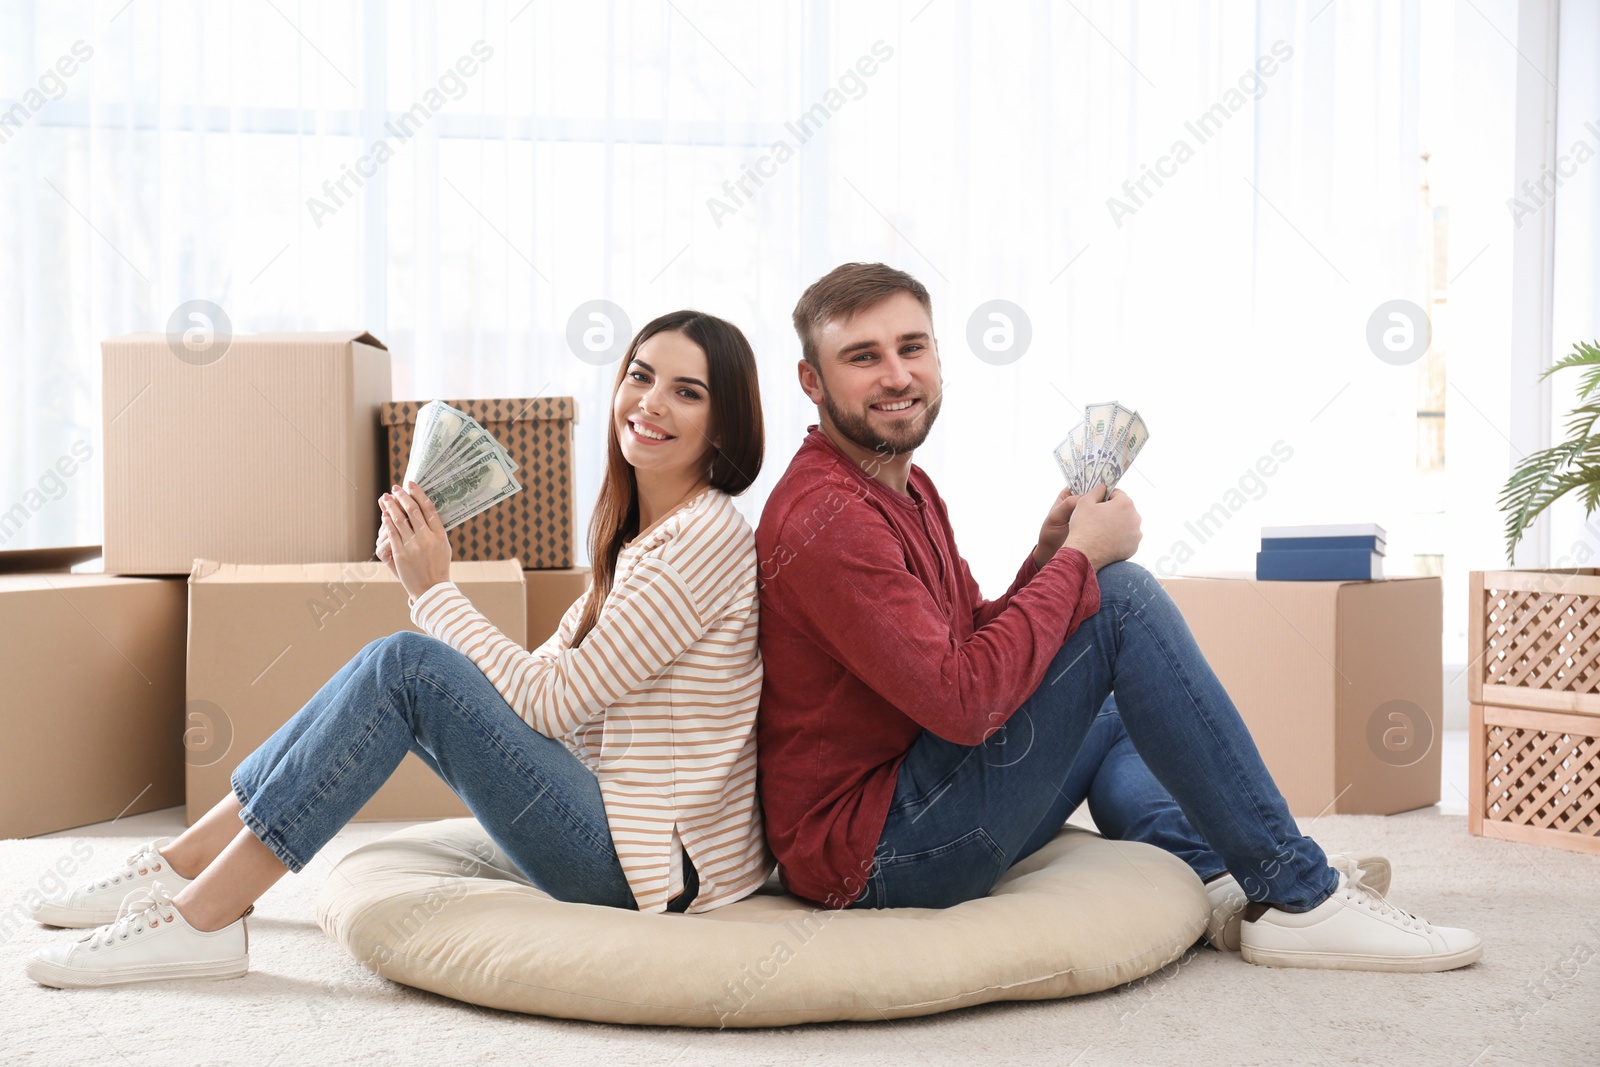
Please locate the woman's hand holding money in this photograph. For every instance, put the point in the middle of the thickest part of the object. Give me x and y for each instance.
(412, 541)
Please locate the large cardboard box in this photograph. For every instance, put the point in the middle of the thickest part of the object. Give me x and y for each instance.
(550, 594)
(256, 449)
(93, 698)
(264, 639)
(534, 525)
(1339, 682)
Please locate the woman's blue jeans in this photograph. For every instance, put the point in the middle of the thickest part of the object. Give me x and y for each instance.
(409, 692)
(1167, 761)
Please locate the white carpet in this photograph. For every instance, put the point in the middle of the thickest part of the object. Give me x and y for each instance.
(1534, 998)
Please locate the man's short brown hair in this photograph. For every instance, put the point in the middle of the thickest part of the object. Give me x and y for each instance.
(845, 290)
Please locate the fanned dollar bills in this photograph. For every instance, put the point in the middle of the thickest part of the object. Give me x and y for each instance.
(459, 464)
(1101, 448)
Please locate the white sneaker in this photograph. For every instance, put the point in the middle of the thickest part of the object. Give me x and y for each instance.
(1228, 900)
(148, 941)
(97, 902)
(1356, 930)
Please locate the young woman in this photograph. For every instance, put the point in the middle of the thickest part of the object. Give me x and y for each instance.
(614, 765)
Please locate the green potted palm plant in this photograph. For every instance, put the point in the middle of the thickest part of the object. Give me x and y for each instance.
(1550, 473)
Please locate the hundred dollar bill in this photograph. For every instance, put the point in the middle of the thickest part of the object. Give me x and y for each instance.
(1099, 420)
(473, 511)
(1137, 434)
(1102, 447)
(1069, 457)
(459, 464)
(473, 491)
(455, 436)
(472, 447)
(436, 427)
(1063, 456)
(1110, 422)
(471, 437)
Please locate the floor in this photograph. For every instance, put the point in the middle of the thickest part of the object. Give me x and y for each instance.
(1533, 998)
(1453, 773)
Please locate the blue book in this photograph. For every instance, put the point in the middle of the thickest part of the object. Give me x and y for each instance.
(1319, 564)
(1337, 529)
(1300, 544)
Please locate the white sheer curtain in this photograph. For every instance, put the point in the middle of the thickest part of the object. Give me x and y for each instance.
(722, 155)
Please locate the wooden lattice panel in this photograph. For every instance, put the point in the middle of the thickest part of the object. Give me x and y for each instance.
(1535, 777)
(1535, 636)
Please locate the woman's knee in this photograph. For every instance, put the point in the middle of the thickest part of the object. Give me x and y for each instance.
(407, 649)
(406, 640)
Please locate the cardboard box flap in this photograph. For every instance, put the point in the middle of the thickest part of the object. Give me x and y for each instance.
(490, 409)
(211, 572)
(329, 337)
(338, 338)
(46, 559)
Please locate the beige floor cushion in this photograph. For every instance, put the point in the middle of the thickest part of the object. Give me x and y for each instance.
(439, 907)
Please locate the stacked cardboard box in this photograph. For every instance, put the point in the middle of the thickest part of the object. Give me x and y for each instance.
(550, 594)
(535, 525)
(264, 639)
(1338, 681)
(265, 454)
(93, 666)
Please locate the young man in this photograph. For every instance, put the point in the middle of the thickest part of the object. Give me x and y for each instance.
(916, 740)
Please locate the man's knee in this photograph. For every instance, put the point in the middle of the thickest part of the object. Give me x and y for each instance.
(1127, 583)
(1126, 573)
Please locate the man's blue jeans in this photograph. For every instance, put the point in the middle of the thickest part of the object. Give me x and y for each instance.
(413, 693)
(1167, 761)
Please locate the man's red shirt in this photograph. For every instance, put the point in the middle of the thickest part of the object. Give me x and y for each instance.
(873, 630)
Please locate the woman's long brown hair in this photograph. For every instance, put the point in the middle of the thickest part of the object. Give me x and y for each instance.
(735, 418)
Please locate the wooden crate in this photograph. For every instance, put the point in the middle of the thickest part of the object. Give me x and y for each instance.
(1535, 777)
(1535, 639)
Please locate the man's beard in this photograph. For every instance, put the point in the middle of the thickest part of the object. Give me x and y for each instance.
(900, 440)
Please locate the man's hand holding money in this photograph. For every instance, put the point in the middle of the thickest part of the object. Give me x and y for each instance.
(1053, 534)
(1104, 530)
(1099, 521)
